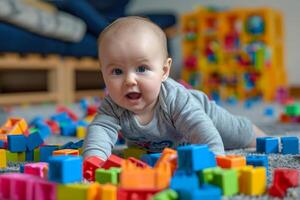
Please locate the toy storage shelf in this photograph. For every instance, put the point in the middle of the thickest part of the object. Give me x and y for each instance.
(50, 65)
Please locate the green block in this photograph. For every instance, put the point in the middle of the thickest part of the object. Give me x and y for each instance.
(227, 180)
(292, 109)
(168, 194)
(21, 156)
(72, 191)
(207, 175)
(33, 129)
(12, 156)
(103, 176)
(36, 155)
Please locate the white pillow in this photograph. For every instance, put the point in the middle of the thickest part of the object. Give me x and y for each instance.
(57, 24)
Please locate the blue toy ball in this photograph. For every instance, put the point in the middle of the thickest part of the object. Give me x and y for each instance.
(255, 25)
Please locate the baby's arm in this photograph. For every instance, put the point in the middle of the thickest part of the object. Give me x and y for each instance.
(257, 133)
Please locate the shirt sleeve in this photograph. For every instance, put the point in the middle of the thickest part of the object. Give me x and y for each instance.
(190, 119)
(102, 133)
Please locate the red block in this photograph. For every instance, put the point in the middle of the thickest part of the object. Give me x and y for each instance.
(70, 113)
(90, 165)
(136, 194)
(138, 162)
(112, 161)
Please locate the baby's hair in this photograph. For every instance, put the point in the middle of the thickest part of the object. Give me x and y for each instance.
(117, 22)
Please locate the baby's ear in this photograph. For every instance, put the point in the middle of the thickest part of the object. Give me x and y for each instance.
(166, 69)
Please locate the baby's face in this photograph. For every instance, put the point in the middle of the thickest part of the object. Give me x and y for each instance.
(133, 67)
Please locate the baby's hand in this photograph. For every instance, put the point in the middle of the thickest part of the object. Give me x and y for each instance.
(90, 164)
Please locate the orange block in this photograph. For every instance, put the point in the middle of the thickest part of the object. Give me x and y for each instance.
(73, 152)
(163, 174)
(168, 155)
(14, 126)
(231, 161)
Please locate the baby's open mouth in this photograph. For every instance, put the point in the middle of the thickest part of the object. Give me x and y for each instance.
(133, 95)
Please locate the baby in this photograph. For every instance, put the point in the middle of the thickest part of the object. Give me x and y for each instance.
(149, 108)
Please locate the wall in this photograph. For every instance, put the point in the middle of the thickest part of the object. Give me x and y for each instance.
(289, 8)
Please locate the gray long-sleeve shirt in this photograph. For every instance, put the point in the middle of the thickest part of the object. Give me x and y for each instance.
(181, 117)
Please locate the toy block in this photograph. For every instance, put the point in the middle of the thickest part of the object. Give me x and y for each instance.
(14, 126)
(290, 145)
(252, 181)
(258, 161)
(151, 159)
(137, 194)
(227, 180)
(34, 121)
(103, 176)
(45, 190)
(167, 194)
(3, 162)
(44, 130)
(267, 145)
(54, 126)
(2, 144)
(133, 177)
(207, 175)
(78, 191)
(163, 174)
(66, 145)
(46, 151)
(205, 192)
(108, 192)
(10, 156)
(231, 161)
(90, 165)
(112, 161)
(68, 128)
(36, 155)
(292, 109)
(34, 140)
(29, 155)
(65, 169)
(39, 169)
(21, 156)
(76, 145)
(133, 152)
(81, 132)
(138, 163)
(73, 152)
(182, 180)
(69, 112)
(61, 117)
(16, 143)
(170, 156)
(195, 157)
(283, 178)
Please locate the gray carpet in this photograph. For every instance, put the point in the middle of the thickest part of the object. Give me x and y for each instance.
(257, 113)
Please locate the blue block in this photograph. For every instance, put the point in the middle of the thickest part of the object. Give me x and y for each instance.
(68, 129)
(195, 157)
(21, 168)
(66, 145)
(182, 180)
(258, 161)
(77, 144)
(267, 145)
(61, 117)
(2, 144)
(34, 140)
(81, 123)
(35, 120)
(29, 155)
(205, 192)
(16, 143)
(290, 145)
(150, 159)
(46, 152)
(44, 129)
(65, 169)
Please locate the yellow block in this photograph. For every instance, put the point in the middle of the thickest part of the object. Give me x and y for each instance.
(78, 191)
(109, 192)
(253, 181)
(81, 132)
(3, 163)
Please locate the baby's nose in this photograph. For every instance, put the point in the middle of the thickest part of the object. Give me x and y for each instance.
(130, 79)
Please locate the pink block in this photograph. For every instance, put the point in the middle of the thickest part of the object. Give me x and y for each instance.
(45, 190)
(39, 169)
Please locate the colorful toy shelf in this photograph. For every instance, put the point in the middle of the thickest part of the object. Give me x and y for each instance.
(236, 53)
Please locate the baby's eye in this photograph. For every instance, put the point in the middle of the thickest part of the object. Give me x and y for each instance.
(117, 71)
(141, 69)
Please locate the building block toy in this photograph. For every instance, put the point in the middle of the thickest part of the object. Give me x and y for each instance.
(231, 161)
(73, 152)
(133, 152)
(65, 169)
(168, 155)
(44, 129)
(46, 151)
(3, 162)
(36, 155)
(109, 192)
(137, 194)
(292, 109)
(54, 126)
(81, 132)
(34, 140)
(16, 143)
(78, 191)
(45, 190)
(195, 157)
(21, 156)
(111, 175)
(258, 161)
(2, 144)
(90, 165)
(167, 194)
(14, 126)
(112, 161)
(61, 117)
(207, 175)
(205, 192)
(252, 181)
(182, 180)
(267, 145)
(10, 156)
(163, 174)
(138, 163)
(290, 145)
(70, 113)
(66, 145)
(76, 145)
(29, 155)
(283, 179)
(151, 159)
(227, 180)
(39, 169)
(68, 128)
